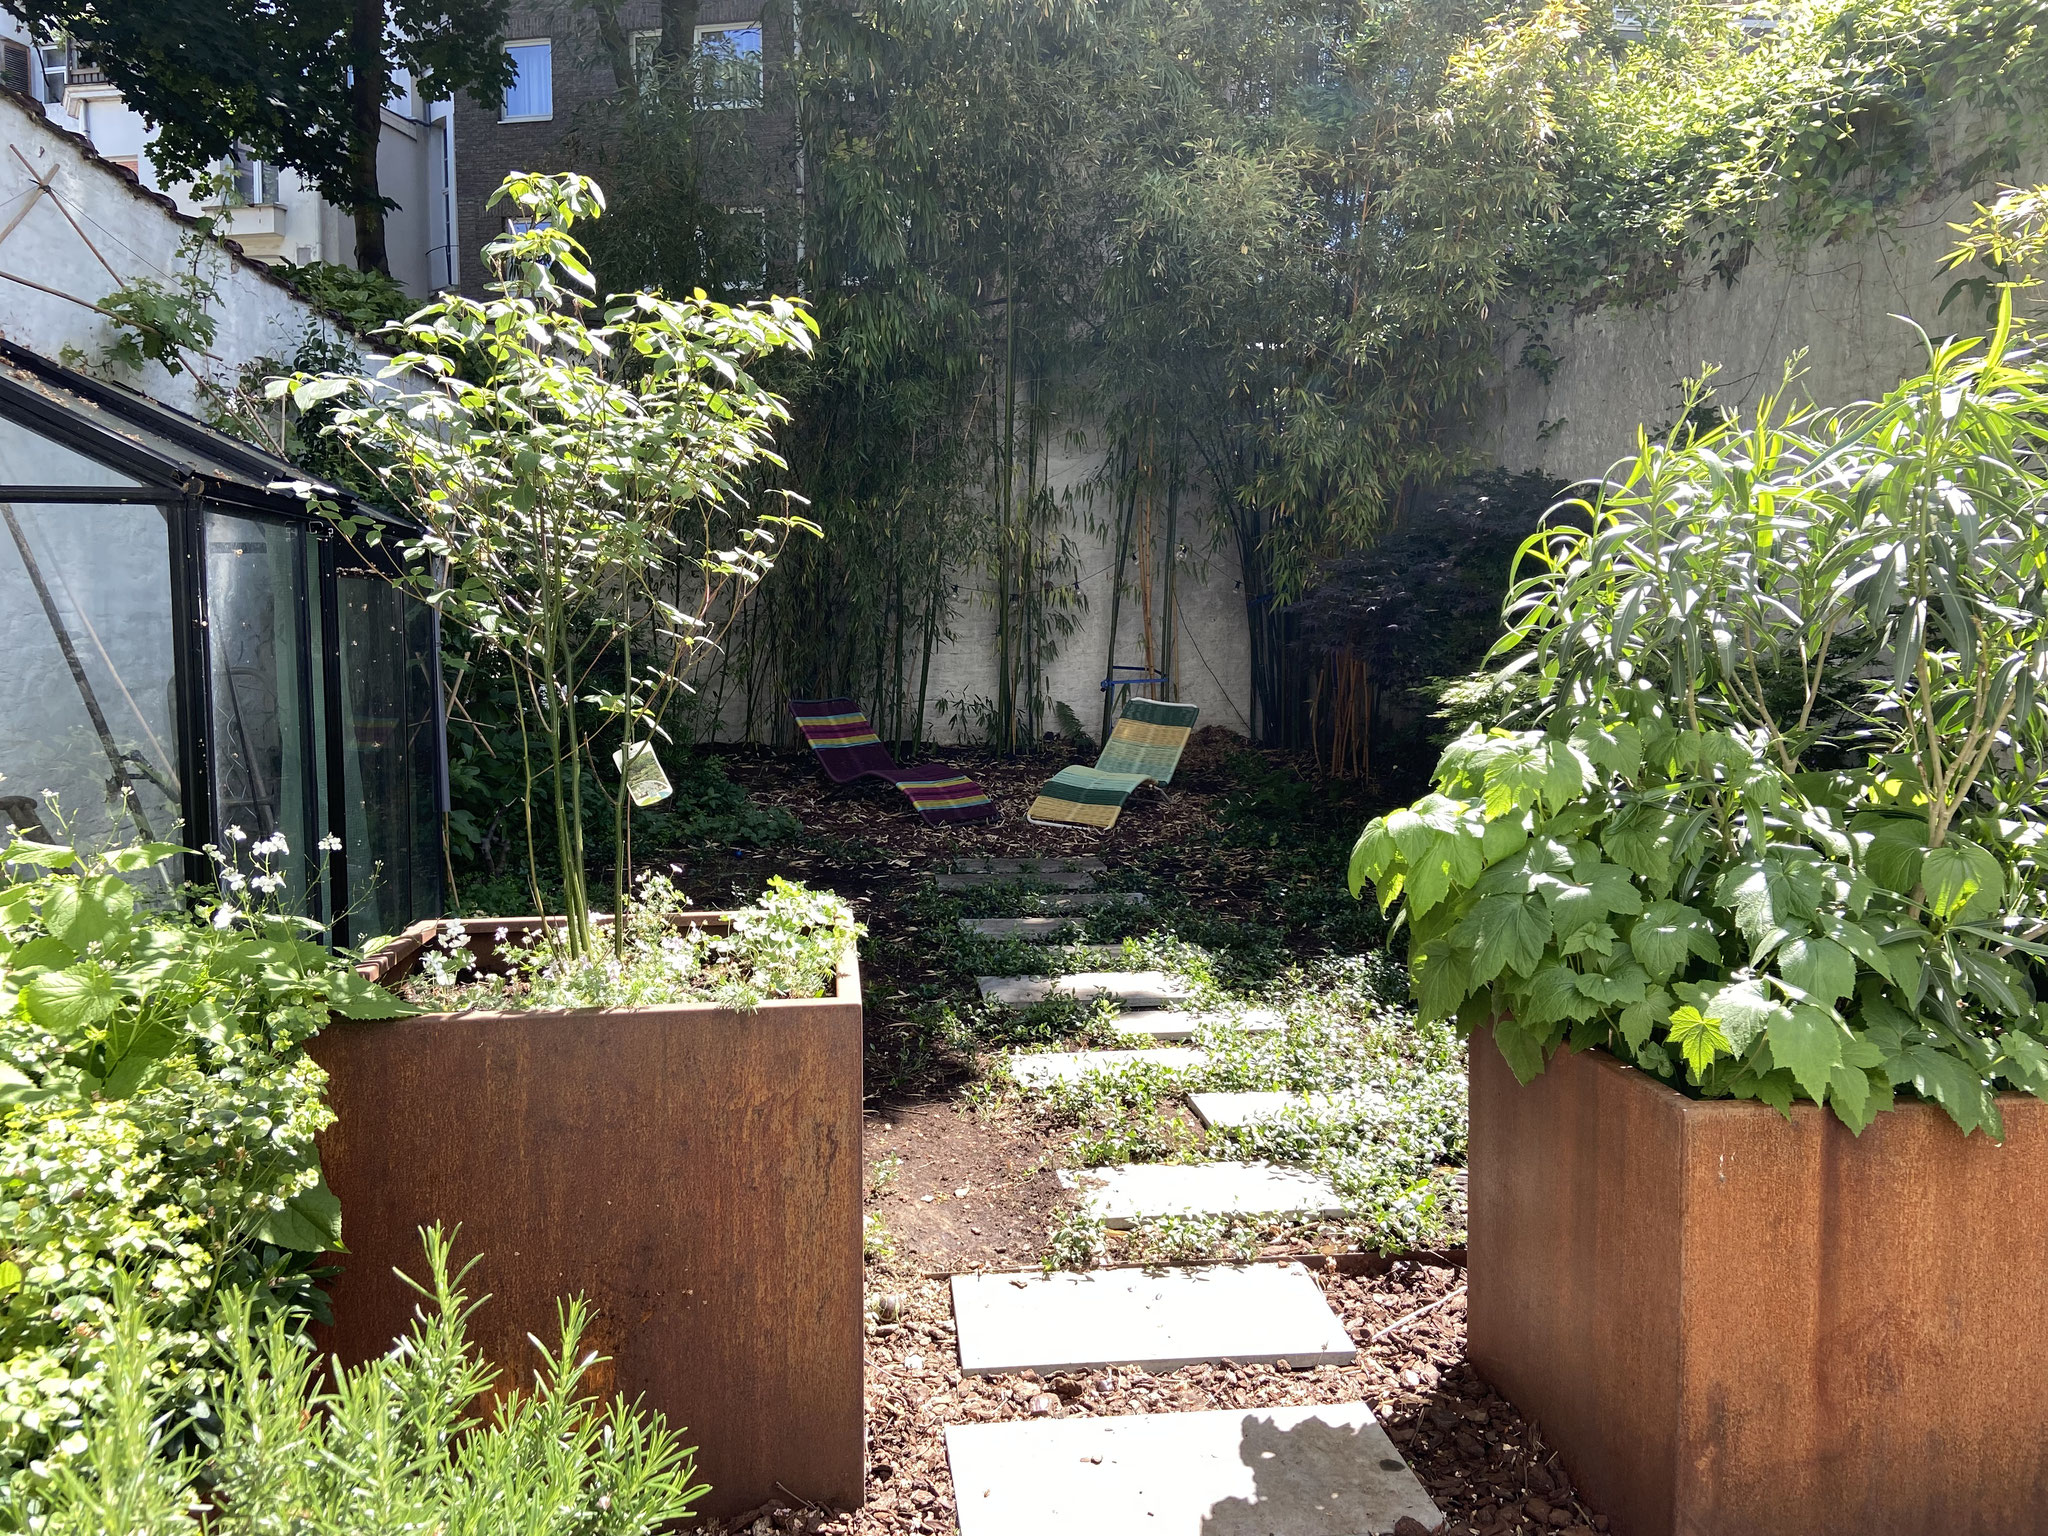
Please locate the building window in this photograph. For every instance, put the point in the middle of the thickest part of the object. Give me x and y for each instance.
(729, 64)
(14, 67)
(531, 97)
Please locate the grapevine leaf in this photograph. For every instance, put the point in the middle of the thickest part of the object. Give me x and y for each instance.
(1667, 932)
(1807, 1041)
(1522, 1051)
(1505, 933)
(1745, 1010)
(1699, 1038)
(1821, 969)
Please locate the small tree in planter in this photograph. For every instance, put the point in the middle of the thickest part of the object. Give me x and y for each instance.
(1767, 830)
(582, 488)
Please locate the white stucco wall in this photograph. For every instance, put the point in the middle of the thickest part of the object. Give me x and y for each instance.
(95, 230)
(1621, 368)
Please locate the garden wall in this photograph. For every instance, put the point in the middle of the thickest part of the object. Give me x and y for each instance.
(1617, 368)
(115, 223)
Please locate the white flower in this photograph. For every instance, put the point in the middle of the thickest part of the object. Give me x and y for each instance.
(233, 879)
(272, 844)
(225, 917)
(501, 935)
(268, 883)
(236, 835)
(330, 844)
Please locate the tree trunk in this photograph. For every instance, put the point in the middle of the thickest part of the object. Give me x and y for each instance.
(678, 31)
(370, 83)
(618, 47)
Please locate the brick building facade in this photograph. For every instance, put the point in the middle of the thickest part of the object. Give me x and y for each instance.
(554, 129)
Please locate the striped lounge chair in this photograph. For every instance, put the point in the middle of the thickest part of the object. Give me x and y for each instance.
(1144, 748)
(848, 749)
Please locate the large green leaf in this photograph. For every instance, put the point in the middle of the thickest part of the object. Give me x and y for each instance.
(1744, 1008)
(1640, 1020)
(1895, 848)
(1820, 968)
(1698, 1037)
(1667, 932)
(1964, 882)
(1642, 838)
(1504, 933)
(1949, 1082)
(1552, 994)
(1594, 891)
(1372, 856)
(67, 1001)
(1807, 1041)
(1522, 1050)
(309, 1223)
(355, 996)
(133, 1046)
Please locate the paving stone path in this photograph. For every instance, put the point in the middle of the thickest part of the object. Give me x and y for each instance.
(1135, 1192)
(1247, 1313)
(1303, 1471)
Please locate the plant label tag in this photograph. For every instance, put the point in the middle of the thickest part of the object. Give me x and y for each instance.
(646, 784)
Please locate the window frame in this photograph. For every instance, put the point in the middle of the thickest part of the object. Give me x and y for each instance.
(512, 44)
(697, 93)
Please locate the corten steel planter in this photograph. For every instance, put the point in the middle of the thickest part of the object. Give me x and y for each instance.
(1734, 1325)
(692, 1171)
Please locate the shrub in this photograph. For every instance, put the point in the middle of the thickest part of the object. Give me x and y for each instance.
(159, 1115)
(1774, 829)
(395, 1444)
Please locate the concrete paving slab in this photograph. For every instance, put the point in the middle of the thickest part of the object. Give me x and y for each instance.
(1076, 901)
(1132, 989)
(1173, 1024)
(1324, 1470)
(1045, 1068)
(1124, 1196)
(1080, 863)
(1083, 1322)
(1069, 880)
(1032, 930)
(1234, 1109)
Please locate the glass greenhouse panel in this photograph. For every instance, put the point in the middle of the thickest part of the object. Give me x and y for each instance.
(29, 458)
(391, 755)
(88, 707)
(264, 693)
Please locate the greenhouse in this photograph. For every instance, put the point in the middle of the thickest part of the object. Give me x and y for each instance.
(192, 654)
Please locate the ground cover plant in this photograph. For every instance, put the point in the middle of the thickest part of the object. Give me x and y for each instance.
(157, 1120)
(1770, 825)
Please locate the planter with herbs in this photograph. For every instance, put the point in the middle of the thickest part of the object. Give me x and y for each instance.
(669, 1129)
(1760, 838)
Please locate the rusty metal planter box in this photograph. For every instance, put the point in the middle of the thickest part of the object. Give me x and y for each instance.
(692, 1171)
(1734, 1325)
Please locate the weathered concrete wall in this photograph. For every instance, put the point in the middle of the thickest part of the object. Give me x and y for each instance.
(1623, 368)
(97, 228)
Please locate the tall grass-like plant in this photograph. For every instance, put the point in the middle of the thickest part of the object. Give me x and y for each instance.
(582, 486)
(1772, 826)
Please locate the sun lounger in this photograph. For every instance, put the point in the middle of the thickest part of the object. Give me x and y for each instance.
(848, 749)
(1144, 748)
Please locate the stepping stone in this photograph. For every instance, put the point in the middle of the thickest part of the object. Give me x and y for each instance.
(1044, 1068)
(1083, 1322)
(1075, 901)
(1032, 930)
(1134, 1192)
(1172, 1024)
(1076, 880)
(1322, 1470)
(1249, 1108)
(1133, 989)
(1086, 863)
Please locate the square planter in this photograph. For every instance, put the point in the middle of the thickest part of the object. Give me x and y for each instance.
(692, 1171)
(1732, 1324)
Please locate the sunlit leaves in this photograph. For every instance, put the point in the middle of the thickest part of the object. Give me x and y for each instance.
(1699, 1038)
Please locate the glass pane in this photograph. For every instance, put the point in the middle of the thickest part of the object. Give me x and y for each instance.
(391, 749)
(532, 92)
(266, 701)
(88, 734)
(29, 458)
(729, 66)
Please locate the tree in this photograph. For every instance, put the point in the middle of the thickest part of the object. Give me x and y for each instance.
(583, 493)
(298, 82)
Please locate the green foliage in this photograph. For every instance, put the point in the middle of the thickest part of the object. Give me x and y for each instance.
(414, 1440)
(788, 944)
(159, 1113)
(1776, 833)
(159, 322)
(582, 490)
(366, 300)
